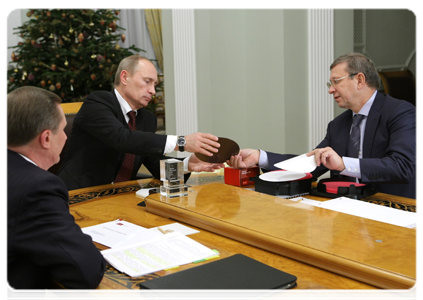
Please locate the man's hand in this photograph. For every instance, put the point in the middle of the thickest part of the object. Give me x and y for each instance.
(328, 157)
(196, 165)
(204, 143)
(246, 158)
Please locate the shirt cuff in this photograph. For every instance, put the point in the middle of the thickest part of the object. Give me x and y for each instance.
(170, 143)
(186, 159)
(352, 167)
(263, 160)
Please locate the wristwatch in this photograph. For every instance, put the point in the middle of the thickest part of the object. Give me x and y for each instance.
(181, 142)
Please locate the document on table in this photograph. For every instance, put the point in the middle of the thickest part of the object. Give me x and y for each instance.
(366, 210)
(173, 249)
(118, 233)
(114, 233)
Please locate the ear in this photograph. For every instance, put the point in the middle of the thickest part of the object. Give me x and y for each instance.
(361, 80)
(45, 139)
(124, 77)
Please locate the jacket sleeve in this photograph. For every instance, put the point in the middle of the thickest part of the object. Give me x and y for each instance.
(47, 234)
(393, 153)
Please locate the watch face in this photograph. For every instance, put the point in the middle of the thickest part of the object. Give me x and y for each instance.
(181, 141)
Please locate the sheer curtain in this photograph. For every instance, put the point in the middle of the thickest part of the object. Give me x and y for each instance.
(136, 33)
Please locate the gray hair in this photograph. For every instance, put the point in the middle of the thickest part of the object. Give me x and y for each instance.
(30, 111)
(359, 63)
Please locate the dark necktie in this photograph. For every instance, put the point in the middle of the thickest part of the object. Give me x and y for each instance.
(125, 171)
(353, 146)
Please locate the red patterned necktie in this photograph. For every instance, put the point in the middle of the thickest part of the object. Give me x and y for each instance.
(125, 171)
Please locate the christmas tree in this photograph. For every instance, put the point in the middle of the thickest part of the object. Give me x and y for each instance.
(69, 52)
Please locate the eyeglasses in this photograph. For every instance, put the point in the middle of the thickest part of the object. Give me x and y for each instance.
(336, 81)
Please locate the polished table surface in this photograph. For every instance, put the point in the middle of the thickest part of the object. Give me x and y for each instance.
(95, 205)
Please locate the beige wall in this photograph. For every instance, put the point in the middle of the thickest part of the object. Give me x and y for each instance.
(251, 75)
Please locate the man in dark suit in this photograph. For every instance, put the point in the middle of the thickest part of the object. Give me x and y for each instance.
(45, 246)
(102, 138)
(386, 148)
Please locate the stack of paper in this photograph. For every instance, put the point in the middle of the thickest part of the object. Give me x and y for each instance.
(137, 251)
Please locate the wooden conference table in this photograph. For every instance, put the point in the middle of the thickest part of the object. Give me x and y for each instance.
(339, 268)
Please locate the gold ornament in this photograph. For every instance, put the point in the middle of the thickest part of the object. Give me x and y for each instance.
(66, 63)
(117, 47)
(51, 36)
(93, 56)
(71, 30)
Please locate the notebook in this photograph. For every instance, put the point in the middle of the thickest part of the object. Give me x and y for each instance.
(234, 272)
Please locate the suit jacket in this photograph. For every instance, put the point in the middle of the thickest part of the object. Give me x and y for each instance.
(43, 241)
(389, 146)
(100, 139)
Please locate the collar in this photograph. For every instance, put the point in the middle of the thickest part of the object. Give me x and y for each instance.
(27, 159)
(366, 107)
(123, 104)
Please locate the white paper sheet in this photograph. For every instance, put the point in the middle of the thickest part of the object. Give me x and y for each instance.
(301, 164)
(172, 250)
(366, 210)
(112, 233)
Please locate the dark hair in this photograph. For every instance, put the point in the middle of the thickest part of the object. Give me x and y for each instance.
(359, 63)
(31, 110)
(129, 64)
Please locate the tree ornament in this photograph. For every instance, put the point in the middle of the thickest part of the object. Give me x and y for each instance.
(102, 22)
(12, 79)
(53, 67)
(58, 85)
(48, 13)
(43, 83)
(52, 88)
(28, 14)
(66, 63)
(62, 95)
(49, 82)
(31, 77)
(123, 37)
(117, 13)
(80, 37)
(93, 56)
(33, 42)
(71, 30)
(117, 46)
(100, 58)
(51, 36)
(13, 56)
(63, 15)
(93, 76)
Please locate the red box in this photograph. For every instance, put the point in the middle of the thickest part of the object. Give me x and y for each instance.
(240, 177)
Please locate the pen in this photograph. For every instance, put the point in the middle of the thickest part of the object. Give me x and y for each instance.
(161, 230)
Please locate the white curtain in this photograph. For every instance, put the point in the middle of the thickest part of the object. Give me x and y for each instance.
(136, 33)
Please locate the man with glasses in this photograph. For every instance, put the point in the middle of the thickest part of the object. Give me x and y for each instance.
(378, 147)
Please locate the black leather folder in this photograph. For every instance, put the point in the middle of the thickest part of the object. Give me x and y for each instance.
(234, 272)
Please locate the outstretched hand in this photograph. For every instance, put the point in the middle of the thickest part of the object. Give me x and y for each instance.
(196, 165)
(246, 158)
(204, 143)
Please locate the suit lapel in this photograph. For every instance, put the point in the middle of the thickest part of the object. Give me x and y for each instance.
(342, 138)
(371, 125)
